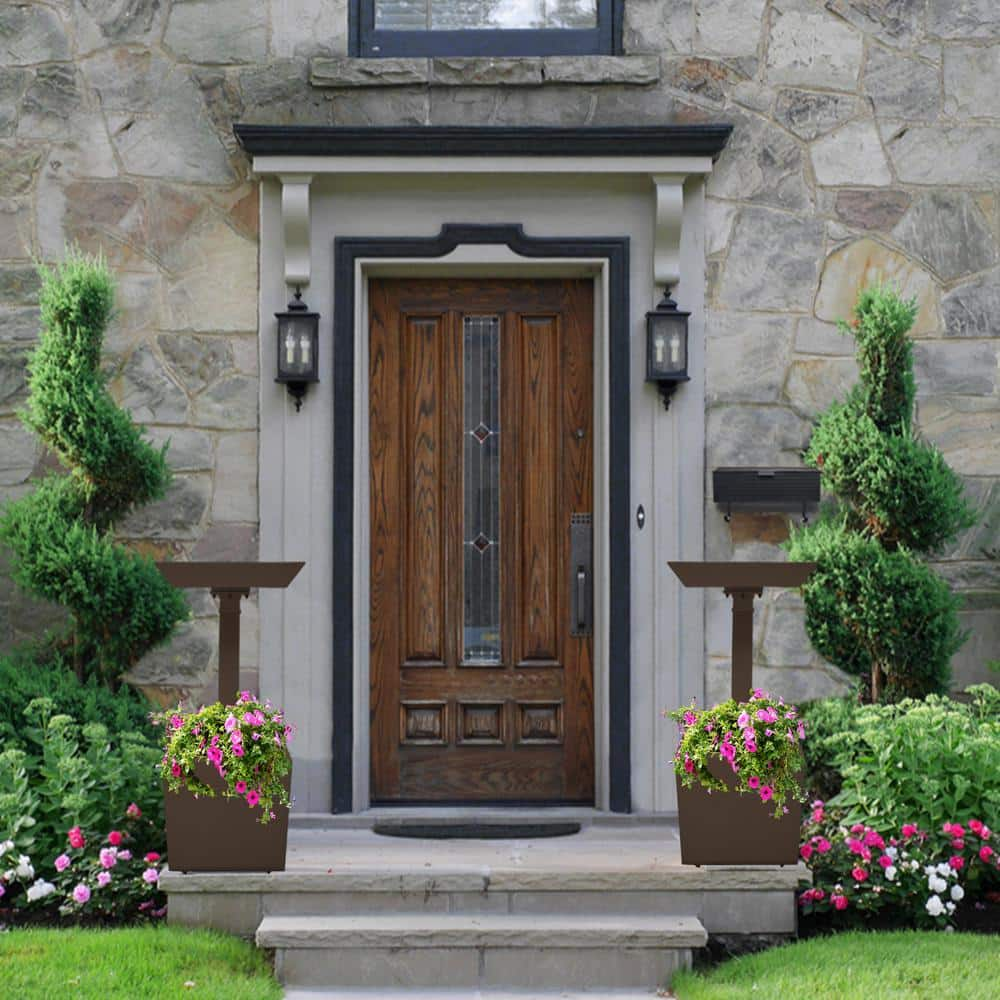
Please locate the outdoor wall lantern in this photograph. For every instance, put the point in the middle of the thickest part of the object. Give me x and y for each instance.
(667, 347)
(298, 348)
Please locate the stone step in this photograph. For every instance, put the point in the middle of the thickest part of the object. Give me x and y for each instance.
(487, 994)
(555, 952)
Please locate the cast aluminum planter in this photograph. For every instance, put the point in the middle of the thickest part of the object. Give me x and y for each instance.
(734, 828)
(222, 834)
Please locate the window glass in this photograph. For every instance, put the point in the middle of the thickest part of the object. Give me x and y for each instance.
(466, 15)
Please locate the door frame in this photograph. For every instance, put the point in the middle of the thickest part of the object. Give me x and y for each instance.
(501, 251)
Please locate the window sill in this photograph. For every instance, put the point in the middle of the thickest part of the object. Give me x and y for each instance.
(529, 71)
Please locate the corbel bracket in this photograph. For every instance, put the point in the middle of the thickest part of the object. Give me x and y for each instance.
(667, 234)
(295, 223)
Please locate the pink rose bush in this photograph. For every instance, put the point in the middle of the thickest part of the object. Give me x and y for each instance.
(96, 876)
(246, 744)
(910, 877)
(760, 740)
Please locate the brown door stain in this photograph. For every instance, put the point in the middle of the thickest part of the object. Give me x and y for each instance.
(481, 443)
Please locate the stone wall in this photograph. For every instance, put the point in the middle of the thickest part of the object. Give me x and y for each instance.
(867, 145)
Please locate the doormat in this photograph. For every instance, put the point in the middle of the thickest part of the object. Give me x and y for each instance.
(476, 831)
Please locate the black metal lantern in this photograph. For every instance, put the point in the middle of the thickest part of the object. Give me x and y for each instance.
(298, 348)
(667, 347)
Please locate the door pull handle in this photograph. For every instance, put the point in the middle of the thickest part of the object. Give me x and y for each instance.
(581, 599)
(581, 581)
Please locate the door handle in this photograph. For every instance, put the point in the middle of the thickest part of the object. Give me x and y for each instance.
(581, 582)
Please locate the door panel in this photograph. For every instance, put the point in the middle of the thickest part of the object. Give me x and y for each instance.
(481, 450)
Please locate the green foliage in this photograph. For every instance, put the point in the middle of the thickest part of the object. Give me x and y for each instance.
(43, 671)
(61, 534)
(247, 743)
(76, 776)
(759, 739)
(874, 607)
(925, 762)
(868, 606)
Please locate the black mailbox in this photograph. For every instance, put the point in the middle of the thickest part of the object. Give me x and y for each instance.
(765, 490)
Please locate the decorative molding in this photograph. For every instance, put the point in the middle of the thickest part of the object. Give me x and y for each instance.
(295, 223)
(667, 232)
(615, 249)
(460, 140)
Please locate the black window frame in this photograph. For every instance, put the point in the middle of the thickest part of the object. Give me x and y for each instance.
(369, 43)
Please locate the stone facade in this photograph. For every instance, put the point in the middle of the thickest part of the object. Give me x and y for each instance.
(866, 145)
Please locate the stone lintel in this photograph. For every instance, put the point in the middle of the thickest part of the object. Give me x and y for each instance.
(345, 72)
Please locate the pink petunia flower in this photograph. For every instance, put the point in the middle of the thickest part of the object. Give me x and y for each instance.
(766, 793)
(230, 724)
(175, 769)
(688, 766)
(176, 721)
(238, 750)
(62, 862)
(240, 787)
(253, 797)
(753, 782)
(81, 894)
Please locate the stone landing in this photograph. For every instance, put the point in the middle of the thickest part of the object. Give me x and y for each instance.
(611, 907)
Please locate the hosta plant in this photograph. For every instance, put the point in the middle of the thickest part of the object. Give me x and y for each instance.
(910, 877)
(245, 743)
(760, 740)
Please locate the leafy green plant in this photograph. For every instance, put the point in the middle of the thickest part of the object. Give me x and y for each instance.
(246, 743)
(760, 739)
(61, 535)
(874, 607)
(917, 761)
(75, 776)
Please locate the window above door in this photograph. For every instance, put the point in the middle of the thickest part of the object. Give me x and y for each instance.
(384, 28)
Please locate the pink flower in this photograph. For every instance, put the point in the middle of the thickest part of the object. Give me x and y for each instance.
(2, 890)
(230, 724)
(766, 793)
(985, 832)
(854, 845)
(245, 696)
(103, 878)
(175, 769)
(859, 874)
(857, 828)
(151, 858)
(109, 857)
(241, 786)
(81, 894)
(76, 838)
(124, 855)
(176, 721)
(688, 766)
(872, 839)
(759, 693)
(976, 826)
(114, 838)
(238, 750)
(885, 861)
(806, 852)
(214, 755)
(690, 718)
(133, 811)
(236, 736)
(751, 747)
(818, 894)
(253, 797)
(743, 721)
(839, 901)
(958, 843)
(753, 782)
(985, 852)
(823, 845)
(151, 876)
(909, 829)
(801, 730)
(956, 861)
(818, 814)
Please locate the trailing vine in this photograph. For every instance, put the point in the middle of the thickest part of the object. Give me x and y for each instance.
(61, 534)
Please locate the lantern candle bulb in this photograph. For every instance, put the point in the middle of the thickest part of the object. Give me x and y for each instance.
(304, 348)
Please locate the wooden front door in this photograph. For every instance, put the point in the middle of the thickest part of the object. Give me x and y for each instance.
(481, 444)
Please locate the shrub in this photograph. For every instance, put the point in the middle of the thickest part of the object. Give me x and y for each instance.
(901, 876)
(42, 671)
(918, 762)
(61, 534)
(72, 775)
(874, 607)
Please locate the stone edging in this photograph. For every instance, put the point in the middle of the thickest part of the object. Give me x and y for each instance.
(638, 70)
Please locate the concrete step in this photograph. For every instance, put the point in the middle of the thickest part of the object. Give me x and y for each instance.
(489, 951)
(487, 994)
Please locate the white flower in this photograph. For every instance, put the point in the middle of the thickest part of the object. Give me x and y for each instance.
(24, 869)
(890, 873)
(934, 906)
(936, 884)
(950, 907)
(914, 865)
(929, 869)
(944, 869)
(8, 875)
(957, 893)
(40, 890)
(891, 852)
(7, 845)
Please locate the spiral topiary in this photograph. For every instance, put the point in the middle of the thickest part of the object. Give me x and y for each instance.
(873, 606)
(61, 535)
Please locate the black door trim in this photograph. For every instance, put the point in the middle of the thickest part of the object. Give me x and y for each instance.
(347, 250)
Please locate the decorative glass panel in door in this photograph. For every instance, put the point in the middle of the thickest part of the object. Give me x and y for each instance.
(481, 457)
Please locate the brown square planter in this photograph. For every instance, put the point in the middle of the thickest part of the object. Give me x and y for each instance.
(222, 834)
(734, 828)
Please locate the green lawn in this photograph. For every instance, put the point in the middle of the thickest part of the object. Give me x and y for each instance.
(131, 963)
(902, 965)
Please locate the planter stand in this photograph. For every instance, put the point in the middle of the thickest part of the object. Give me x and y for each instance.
(708, 822)
(223, 834)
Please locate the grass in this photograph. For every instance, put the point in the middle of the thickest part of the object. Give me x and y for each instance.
(901, 965)
(132, 963)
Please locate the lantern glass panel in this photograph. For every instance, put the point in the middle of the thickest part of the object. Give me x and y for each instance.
(667, 345)
(297, 336)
